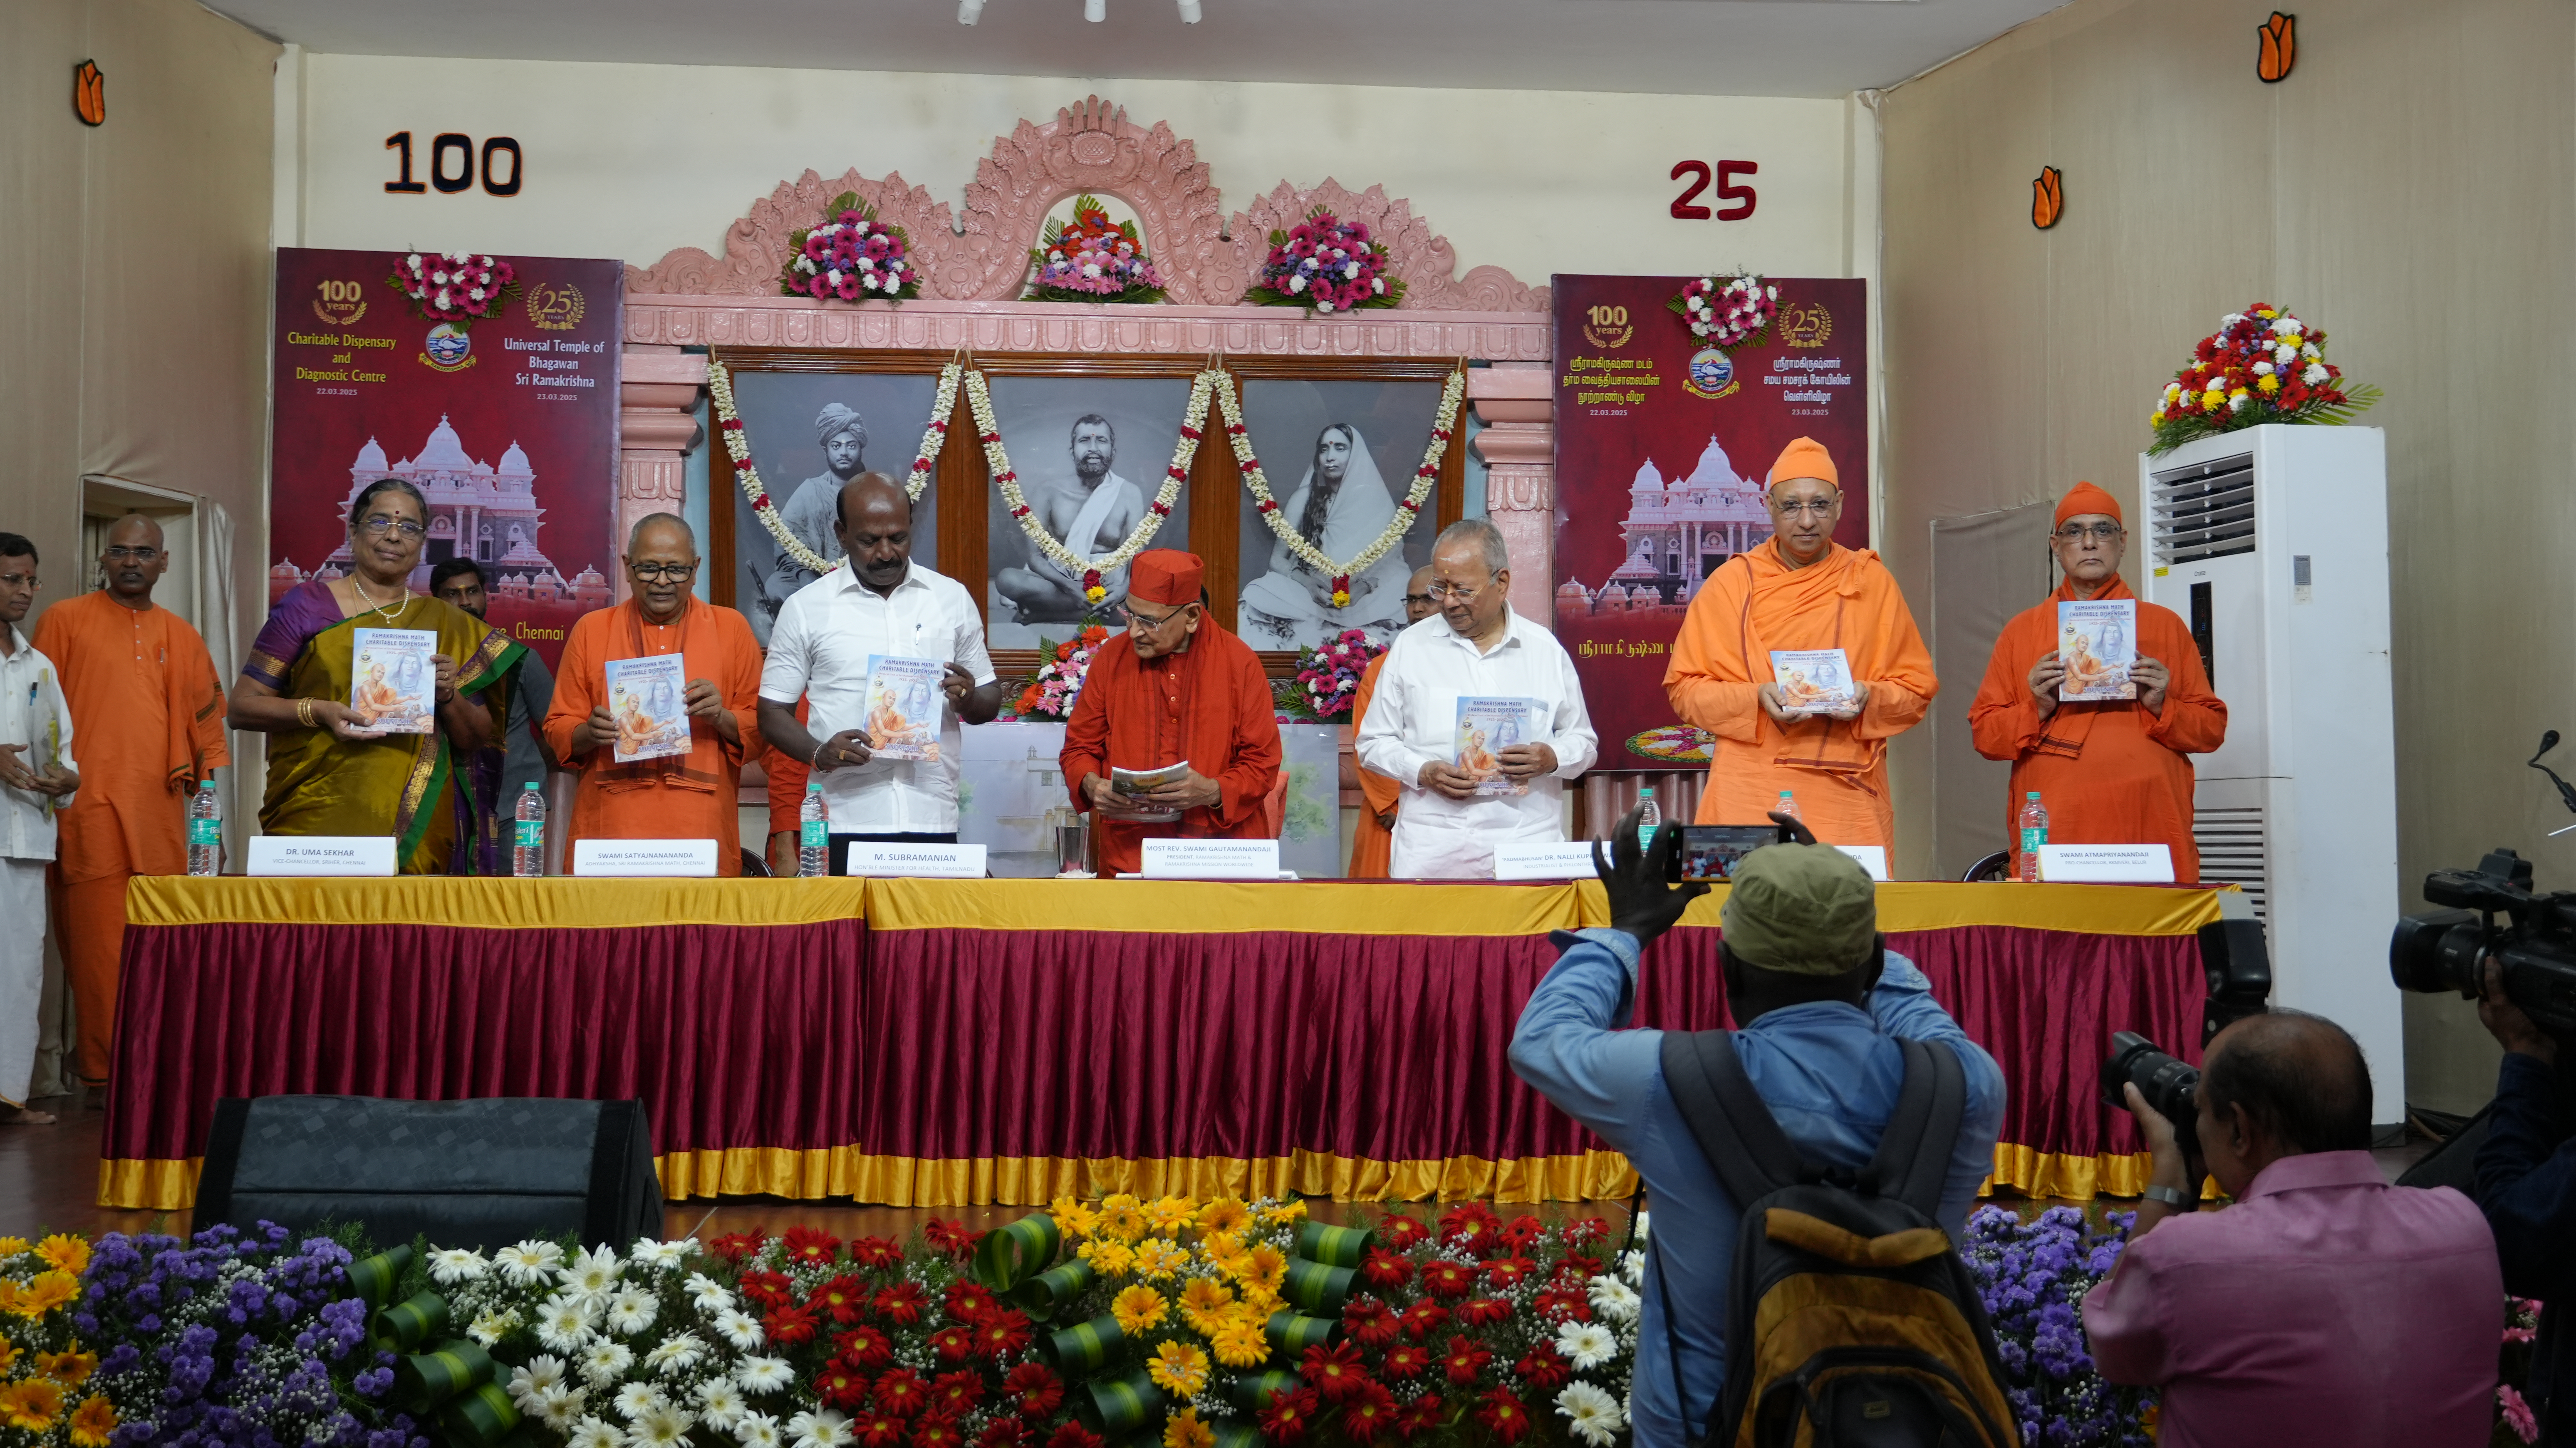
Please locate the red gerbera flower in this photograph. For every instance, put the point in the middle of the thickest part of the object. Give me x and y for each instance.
(792, 1326)
(1509, 1271)
(1424, 1318)
(950, 1237)
(1422, 1415)
(1369, 1320)
(956, 1392)
(1588, 1231)
(937, 1430)
(901, 1393)
(1503, 1416)
(1406, 1360)
(1383, 1268)
(1004, 1433)
(968, 1301)
(738, 1247)
(1578, 1268)
(1542, 1366)
(1289, 1416)
(864, 1348)
(1482, 1311)
(1448, 1279)
(1002, 1332)
(876, 1430)
(953, 1344)
(1566, 1304)
(811, 1248)
(902, 1303)
(842, 1299)
(1370, 1412)
(875, 1252)
(1402, 1233)
(1465, 1360)
(1470, 1224)
(1334, 1371)
(1070, 1434)
(841, 1387)
(766, 1289)
(1034, 1389)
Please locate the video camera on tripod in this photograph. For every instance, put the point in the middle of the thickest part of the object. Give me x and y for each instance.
(2535, 943)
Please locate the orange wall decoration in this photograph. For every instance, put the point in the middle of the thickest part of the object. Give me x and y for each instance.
(2280, 47)
(89, 93)
(2047, 197)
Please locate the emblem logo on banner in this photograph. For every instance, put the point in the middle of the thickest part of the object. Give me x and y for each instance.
(1805, 325)
(1711, 374)
(554, 308)
(1608, 328)
(339, 303)
(449, 349)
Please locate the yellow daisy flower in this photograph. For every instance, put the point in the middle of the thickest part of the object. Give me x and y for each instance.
(1178, 1368)
(1203, 1302)
(1227, 1215)
(1280, 1214)
(1138, 1308)
(1240, 1346)
(1184, 1430)
(11, 1247)
(1168, 1215)
(71, 1254)
(1245, 1316)
(71, 1369)
(93, 1423)
(1111, 1257)
(1122, 1217)
(1076, 1219)
(1263, 1299)
(1158, 1258)
(2268, 385)
(1268, 1268)
(8, 1359)
(33, 1404)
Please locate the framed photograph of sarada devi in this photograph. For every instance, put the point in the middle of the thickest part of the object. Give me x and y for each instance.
(814, 424)
(1091, 453)
(1340, 457)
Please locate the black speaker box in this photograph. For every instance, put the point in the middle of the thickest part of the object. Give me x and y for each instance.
(477, 1174)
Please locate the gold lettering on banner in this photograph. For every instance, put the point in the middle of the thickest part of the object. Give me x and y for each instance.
(340, 303)
(555, 308)
(1607, 327)
(1805, 324)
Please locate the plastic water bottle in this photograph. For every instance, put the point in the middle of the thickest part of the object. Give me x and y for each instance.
(2034, 833)
(1648, 817)
(205, 831)
(528, 851)
(1788, 805)
(814, 834)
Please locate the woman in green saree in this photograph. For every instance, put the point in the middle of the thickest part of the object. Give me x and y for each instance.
(329, 773)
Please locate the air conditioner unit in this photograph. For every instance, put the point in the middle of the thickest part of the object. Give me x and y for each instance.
(2272, 543)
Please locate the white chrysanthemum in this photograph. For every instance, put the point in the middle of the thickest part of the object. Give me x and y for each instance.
(825, 1429)
(740, 1329)
(491, 1327)
(595, 1433)
(1590, 1413)
(1614, 1299)
(1645, 1221)
(721, 1404)
(2309, 351)
(2262, 369)
(756, 1430)
(563, 1324)
(543, 1371)
(1632, 1265)
(660, 1256)
(560, 1406)
(605, 1363)
(457, 1264)
(631, 1311)
(677, 1354)
(760, 1375)
(664, 1427)
(528, 1264)
(1587, 1345)
(635, 1400)
(2316, 374)
(591, 1273)
(708, 1294)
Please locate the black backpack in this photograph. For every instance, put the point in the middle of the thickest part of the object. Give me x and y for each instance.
(1850, 1318)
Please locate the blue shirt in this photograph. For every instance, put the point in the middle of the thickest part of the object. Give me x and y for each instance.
(1830, 1072)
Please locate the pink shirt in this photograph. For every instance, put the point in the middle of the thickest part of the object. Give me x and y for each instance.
(2325, 1307)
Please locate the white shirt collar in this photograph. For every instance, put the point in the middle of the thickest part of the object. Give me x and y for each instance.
(1511, 632)
(911, 579)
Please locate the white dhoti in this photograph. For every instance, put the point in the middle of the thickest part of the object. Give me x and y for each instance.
(22, 973)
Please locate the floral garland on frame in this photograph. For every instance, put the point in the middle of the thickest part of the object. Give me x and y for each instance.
(979, 399)
(1425, 478)
(934, 439)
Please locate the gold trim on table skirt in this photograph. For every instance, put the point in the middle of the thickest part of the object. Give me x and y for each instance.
(1933, 905)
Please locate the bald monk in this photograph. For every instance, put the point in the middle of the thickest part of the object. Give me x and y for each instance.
(149, 711)
(692, 796)
(1801, 590)
(2111, 771)
(1182, 690)
(1373, 843)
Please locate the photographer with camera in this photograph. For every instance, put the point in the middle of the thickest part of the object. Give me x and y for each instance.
(2526, 1184)
(2325, 1306)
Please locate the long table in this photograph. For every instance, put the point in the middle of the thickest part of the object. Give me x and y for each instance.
(945, 1043)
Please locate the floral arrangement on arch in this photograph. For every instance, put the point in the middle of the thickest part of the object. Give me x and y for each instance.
(1058, 683)
(1727, 313)
(853, 257)
(2261, 365)
(1328, 265)
(1328, 677)
(454, 287)
(1092, 259)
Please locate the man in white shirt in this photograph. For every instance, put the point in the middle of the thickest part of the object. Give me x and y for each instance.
(1474, 648)
(37, 776)
(879, 602)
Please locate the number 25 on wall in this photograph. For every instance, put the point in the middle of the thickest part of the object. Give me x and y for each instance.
(458, 175)
(1740, 198)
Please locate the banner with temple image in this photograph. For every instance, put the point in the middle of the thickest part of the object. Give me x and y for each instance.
(1664, 436)
(506, 422)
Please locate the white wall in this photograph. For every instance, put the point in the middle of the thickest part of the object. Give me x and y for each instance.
(630, 161)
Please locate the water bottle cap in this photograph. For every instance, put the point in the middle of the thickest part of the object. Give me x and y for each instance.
(2034, 794)
(204, 785)
(813, 786)
(1646, 792)
(531, 784)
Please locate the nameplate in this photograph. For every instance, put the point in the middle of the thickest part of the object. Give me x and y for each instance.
(1873, 858)
(656, 858)
(1211, 859)
(2106, 864)
(322, 855)
(939, 862)
(1556, 860)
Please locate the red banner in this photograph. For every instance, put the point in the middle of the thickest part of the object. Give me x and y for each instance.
(508, 427)
(1662, 445)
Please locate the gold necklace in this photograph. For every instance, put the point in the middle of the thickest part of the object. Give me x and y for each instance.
(388, 615)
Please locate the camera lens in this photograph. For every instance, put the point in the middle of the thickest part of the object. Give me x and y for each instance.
(2436, 951)
(2171, 1088)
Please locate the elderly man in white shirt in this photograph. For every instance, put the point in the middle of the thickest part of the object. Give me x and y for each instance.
(1474, 647)
(879, 603)
(37, 777)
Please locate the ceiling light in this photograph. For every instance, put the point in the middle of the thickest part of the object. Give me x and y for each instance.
(968, 11)
(1095, 11)
(1189, 12)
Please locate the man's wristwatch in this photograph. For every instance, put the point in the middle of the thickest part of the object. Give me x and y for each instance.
(2170, 1196)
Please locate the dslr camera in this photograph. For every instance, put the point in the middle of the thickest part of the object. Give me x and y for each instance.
(2171, 1087)
(2491, 910)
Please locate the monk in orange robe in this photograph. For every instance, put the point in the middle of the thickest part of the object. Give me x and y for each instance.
(1801, 590)
(1182, 689)
(2109, 771)
(139, 683)
(1373, 841)
(692, 796)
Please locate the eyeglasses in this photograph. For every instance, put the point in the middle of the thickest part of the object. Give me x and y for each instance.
(378, 523)
(656, 572)
(1790, 508)
(19, 580)
(139, 555)
(1148, 622)
(1420, 598)
(2078, 532)
(1440, 589)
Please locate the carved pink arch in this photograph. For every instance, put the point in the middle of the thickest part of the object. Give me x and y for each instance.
(756, 245)
(1423, 260)
(1090, 147)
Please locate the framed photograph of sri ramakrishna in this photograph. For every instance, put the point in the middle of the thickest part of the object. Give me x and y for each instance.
(1092, 455)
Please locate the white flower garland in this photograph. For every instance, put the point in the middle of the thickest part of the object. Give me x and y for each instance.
(1425, 478)
(738, 446)
(980, 400)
